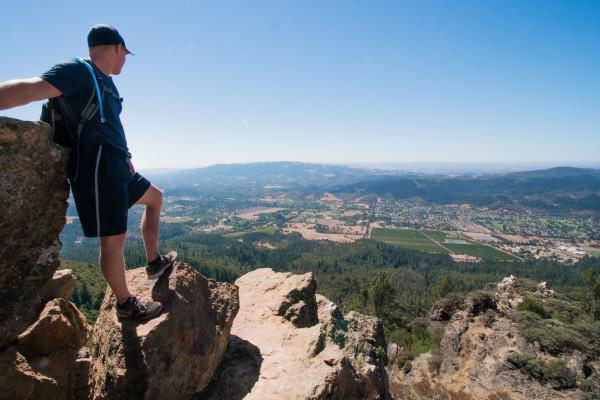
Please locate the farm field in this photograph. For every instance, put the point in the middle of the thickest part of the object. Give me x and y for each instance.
(264, 229)
(428, 241)
(437, 235)
(407, 238)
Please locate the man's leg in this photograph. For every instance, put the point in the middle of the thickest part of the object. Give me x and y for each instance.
(152, 199)
(112, 265)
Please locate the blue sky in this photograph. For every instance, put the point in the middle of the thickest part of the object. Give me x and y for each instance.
(335, 81)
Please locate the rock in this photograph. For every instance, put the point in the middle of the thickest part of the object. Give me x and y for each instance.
(507, 283)
(542, 288)
(79, 384)
(299, 305)
(33, 202)
(41, 364)
(393, 352)
(172, 356)
(17, 379)
(327, 310)
(444, 308)
(479, 302)
(61, 326)
(61, 286)
(270, 357)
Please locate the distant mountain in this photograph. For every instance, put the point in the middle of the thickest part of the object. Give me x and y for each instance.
(557, 172)
(275, 175)
(555, 190)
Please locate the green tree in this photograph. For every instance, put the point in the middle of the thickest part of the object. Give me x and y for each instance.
(75, 298)
(445, 285)
(382, 294)
(591, 278)
(85, 296)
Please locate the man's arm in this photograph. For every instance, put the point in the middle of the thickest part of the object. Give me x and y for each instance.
(23, 91)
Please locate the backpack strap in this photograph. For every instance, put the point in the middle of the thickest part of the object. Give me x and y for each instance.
(86, 115)
(90, 110)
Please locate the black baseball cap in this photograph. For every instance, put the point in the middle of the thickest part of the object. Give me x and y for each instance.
(102, 34)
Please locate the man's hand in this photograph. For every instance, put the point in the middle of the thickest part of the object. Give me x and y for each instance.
(131, 169)
(23, 91)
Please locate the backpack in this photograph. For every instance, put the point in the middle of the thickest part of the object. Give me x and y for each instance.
(66, 124)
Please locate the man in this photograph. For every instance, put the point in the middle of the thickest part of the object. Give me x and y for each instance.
(103, 180)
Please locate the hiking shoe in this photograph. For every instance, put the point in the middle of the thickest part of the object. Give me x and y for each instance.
(135, 309)
(156, 268)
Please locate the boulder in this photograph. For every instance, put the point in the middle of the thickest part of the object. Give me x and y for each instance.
(172, 356)
(61, 286)
(41, 363)
(60, 326)
(33, 202)
(272, 357)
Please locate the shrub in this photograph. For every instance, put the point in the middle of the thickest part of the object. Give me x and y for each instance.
(401, 361)
(591, 388)
(554, 372)
(407, 367)
(337, 332)
(557, 337)
(565, 311)
(534, 305)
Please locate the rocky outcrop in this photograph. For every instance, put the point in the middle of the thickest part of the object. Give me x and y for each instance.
(61, 286)
(40, 364)
(33, 201)
(311, 353)
(172, 356)
(489, 351)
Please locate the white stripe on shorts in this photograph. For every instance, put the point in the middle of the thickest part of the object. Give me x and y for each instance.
(97, 193)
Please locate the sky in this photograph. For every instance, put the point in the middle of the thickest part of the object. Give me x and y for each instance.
(334, 81)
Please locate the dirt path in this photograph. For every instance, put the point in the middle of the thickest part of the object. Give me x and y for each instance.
(436, 242)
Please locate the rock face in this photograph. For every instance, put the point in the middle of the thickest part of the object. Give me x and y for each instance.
(484, 355)
(33, 201)
(307, 351)
(172, 356)
(40, 364)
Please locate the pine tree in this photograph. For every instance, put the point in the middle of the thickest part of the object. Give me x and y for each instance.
(85, 296)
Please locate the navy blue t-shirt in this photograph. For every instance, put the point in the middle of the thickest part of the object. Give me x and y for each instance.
(74, 81)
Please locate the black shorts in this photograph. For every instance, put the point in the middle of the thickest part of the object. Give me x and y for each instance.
(104, 189)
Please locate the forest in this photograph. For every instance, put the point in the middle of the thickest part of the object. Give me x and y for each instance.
(397, 285)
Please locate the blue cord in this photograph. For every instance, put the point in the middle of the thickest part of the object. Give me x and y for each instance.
(89, 67)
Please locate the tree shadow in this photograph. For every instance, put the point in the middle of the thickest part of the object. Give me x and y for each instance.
(237, 374)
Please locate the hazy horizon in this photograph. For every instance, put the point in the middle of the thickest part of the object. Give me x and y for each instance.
(414, 167)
